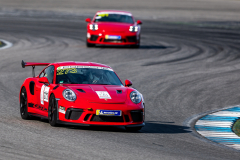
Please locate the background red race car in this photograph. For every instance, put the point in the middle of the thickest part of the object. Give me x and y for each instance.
(110, 27)
(81, 93)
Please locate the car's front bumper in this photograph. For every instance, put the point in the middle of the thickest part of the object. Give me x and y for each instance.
(132, 115)
(126, 38)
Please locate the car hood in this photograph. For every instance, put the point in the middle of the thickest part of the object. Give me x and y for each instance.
(100, 93)
(113, 27)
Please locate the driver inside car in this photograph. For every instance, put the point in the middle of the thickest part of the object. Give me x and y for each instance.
(97, 76)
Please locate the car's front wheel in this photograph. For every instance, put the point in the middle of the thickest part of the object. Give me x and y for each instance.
(89, 44)
(133, 129)
(52, 111)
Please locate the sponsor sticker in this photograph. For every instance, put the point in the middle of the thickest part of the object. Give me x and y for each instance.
(102, 15)
(103, 95)
(71, 67)
(62, 110)
(44, 94)
(112, 37)
(108, 112)
(107, 13)
(66, 71)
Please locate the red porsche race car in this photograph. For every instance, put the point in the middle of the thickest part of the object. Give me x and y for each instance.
(109, 27)
(81, 93)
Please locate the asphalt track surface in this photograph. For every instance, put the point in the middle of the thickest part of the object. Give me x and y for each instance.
(182, 70)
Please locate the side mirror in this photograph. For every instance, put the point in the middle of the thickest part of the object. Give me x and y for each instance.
(88, 20)
(43, 80)
(128, 83)
(139, 22)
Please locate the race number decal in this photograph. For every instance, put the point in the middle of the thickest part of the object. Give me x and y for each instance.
(103, 95)
(44, 94)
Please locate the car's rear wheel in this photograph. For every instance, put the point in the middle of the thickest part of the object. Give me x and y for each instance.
(23, 104)
(89, 44)
(52, 111)
(133, 129)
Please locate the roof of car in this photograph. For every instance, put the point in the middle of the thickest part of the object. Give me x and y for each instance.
(72, 63)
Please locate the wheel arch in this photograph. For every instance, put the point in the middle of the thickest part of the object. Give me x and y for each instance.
(20, 92)
(26, 85)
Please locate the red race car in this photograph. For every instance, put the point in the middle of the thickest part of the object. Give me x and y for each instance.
(81, 93)
(110, 27)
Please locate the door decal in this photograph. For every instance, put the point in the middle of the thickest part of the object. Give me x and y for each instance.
(44, 94)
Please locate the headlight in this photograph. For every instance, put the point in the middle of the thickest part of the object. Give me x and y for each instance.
(135, 97)
(69, 95)
(133, 28)
(93, 27)
(88, 35)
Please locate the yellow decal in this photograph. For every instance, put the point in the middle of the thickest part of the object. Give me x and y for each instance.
(103, 15)
(60, 72)
(66, 71)
(106, 37)
(97, 112)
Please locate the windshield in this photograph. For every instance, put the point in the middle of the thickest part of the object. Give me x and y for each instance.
(86, 75)
(113, 17)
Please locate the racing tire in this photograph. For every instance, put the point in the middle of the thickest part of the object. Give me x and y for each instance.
(89, 44)
(52, 111)
(133, 129)
(23, 104)
(137, 45)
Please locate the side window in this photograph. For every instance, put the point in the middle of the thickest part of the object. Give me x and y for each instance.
(41, 74)
(49, 73)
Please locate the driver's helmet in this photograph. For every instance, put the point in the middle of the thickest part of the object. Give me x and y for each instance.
(122, 18)
(97, 73)
(84, 71)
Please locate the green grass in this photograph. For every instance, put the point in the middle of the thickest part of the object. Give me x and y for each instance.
(236, 127)
(2, 44)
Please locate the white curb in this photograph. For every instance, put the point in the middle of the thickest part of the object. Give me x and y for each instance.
(8, 44)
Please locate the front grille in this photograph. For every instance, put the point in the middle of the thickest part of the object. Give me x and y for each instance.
(73, 113)
(137, 116)
(97, 118)
(86, 117)
(126, 118)
(132, 38)
(94, 37)
(115, 40)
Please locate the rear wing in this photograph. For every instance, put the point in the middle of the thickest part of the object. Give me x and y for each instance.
(33, 64)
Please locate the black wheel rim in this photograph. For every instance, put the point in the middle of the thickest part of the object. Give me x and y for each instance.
(23, 102)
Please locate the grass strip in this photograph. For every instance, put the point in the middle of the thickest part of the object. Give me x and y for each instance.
(236, 127)
(2, 44)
